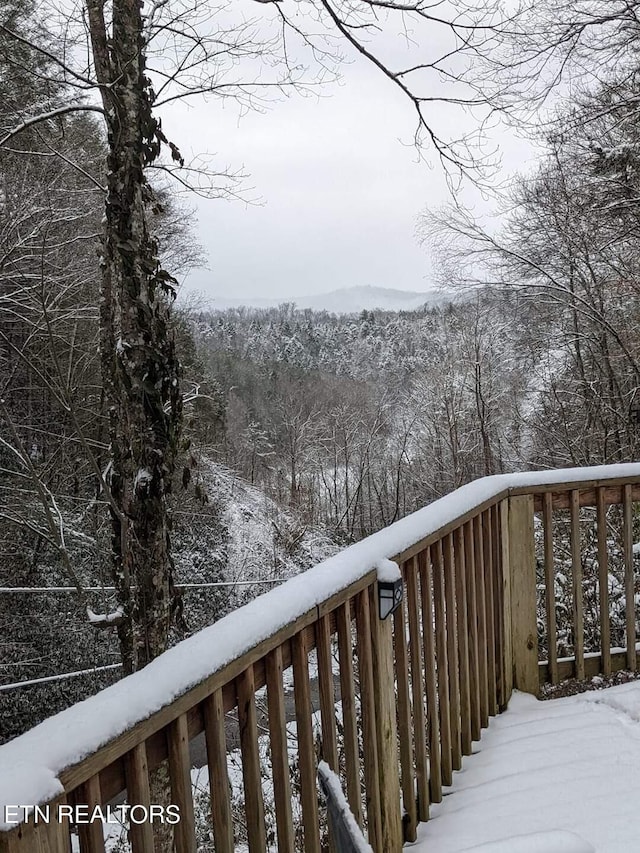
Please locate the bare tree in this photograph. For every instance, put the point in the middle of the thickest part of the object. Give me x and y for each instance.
(569, 243)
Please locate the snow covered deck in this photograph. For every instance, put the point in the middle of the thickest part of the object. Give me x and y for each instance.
(497, 575)
(561, 776)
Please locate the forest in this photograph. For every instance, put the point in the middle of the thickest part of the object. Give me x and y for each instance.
(277, 435)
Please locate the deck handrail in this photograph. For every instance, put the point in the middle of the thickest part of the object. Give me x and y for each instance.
(427, 681)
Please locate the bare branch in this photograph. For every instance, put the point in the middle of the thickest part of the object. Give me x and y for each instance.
(44, 117)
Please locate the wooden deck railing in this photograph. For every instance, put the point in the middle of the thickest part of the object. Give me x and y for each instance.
(400, 701)
(585, 575)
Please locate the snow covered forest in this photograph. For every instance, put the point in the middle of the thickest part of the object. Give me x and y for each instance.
(358, 420)
(296, 432)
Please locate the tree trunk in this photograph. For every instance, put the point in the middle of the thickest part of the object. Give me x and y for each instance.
(140, 369)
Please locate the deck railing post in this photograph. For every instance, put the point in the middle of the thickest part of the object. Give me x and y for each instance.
(41, 837)
(505, 599)
(386, 732)
(521, 605)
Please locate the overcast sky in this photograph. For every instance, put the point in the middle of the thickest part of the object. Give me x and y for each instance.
(341, 190)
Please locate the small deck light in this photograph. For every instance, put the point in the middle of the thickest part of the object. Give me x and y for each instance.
(389, 597)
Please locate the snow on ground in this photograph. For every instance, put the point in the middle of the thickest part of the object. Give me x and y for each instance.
(253, 521)
(560, 776)
(245, 536)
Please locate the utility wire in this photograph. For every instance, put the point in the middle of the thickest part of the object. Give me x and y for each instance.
(21, 589)
(16, 684)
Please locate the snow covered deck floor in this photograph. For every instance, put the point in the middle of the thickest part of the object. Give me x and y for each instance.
(560, 776)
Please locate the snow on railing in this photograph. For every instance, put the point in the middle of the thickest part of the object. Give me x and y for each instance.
(465, 634)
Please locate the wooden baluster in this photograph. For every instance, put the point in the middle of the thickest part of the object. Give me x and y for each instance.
(550, 588)
(251, 776)
(137, 778)
(369, 735)
(429, 647)
(498, 605)
(405, 727)
(487, 549)
(603, 583)
(417, 690)
(482, 621)
(327, 699)
(504, 585)
(349, 720)
(279, 752)
(629, 578)
(441, 658)
(463, 641)
(452, 651)
(327, 694)
(576, 572)
(181, 793)
(91, 835)
(215, 735)
(306, 751)
(472, 629)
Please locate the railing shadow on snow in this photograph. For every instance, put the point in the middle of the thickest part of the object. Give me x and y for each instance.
(497, 574)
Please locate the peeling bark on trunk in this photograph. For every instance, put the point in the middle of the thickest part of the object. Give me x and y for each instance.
(140, 369)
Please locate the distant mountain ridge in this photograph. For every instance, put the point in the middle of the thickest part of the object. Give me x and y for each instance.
(347, 300)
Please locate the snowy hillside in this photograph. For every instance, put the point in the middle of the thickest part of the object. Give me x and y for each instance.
(242, 540)
(349, 300)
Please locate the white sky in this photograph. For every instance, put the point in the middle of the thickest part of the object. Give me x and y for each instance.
(340, 183)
